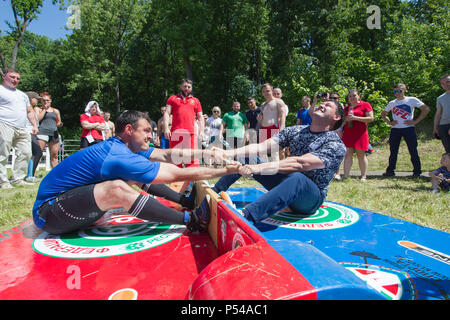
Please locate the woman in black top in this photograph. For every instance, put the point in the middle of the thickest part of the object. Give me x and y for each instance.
(49, 122)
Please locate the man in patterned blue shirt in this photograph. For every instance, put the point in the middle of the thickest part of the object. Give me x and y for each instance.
(300, 181)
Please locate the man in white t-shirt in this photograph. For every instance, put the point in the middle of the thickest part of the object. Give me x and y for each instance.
(15, 108)
(403, 125)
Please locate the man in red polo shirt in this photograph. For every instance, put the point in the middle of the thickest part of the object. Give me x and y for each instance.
(184, 108)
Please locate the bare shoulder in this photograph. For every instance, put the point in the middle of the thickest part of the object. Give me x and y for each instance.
(279, 102)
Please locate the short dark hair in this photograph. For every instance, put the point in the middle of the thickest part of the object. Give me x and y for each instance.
(353, 91)
(129, 117)
(12, 70)
(45, 93)
(400, 85)
(186, 80)
(335, 93)
(340, 112)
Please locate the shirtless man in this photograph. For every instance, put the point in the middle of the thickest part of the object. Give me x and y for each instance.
(272, 116)
(110, 129)
(277, 93)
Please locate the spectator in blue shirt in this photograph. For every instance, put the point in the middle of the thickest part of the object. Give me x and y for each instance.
(303, 116)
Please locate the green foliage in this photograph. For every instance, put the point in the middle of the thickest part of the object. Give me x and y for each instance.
(378, 129)
(132, 54)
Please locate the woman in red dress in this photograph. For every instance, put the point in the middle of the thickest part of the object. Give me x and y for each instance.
(356, 137)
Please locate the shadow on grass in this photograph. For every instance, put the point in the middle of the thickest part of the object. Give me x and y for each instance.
(422, 183)
(407, 178)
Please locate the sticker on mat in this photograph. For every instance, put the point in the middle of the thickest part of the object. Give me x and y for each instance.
(329, 216)
(392, 284)
(120, 236)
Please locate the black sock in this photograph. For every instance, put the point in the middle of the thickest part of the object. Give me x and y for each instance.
(162, 191)
(148, 208)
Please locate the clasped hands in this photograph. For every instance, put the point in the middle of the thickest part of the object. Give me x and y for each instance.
(219, 156)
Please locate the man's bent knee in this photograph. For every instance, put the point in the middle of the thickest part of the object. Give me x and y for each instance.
(114, 193)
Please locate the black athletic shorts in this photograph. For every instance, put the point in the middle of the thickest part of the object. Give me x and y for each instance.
(84, 143)
(72, 210)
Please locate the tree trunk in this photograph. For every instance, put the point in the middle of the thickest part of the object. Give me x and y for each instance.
(117, 98)
(188, 66)
(187, 62)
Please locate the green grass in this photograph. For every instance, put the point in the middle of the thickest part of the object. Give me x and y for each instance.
(15, 206)
(400, 197)
(403, 198)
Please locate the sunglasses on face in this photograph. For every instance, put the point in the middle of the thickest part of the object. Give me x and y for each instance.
(398, 91)
(215, 111)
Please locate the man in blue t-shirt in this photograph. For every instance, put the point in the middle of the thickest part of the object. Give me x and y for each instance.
(78, 191)
(303, 116)
(300, 181)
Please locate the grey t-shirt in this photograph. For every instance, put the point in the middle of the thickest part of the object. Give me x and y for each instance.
(444, 102)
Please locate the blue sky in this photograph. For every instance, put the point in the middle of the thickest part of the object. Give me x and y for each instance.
(50, 22)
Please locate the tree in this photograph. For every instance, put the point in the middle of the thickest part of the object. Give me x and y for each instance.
(132, 54)
(108, 27)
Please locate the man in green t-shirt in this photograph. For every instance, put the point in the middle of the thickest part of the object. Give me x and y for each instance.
(234, 123)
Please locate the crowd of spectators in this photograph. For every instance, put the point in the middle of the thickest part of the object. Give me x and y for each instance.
(29, 123)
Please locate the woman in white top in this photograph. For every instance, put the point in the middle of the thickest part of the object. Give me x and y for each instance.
(215, 126)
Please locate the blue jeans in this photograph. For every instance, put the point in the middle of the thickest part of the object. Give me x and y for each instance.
(164, 142)
(409, 134)
(295, 190)
(445, 137)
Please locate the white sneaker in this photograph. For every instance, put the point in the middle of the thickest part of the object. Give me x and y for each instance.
(434, 191)
(6, 185)
(31, 179)
(363, 179)
(337, 177)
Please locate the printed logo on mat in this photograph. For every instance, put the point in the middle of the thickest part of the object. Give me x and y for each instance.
(329, 216)
(392, 284)
(442, 257)
(122, 235)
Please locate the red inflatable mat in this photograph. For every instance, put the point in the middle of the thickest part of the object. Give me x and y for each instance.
(126, 259)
